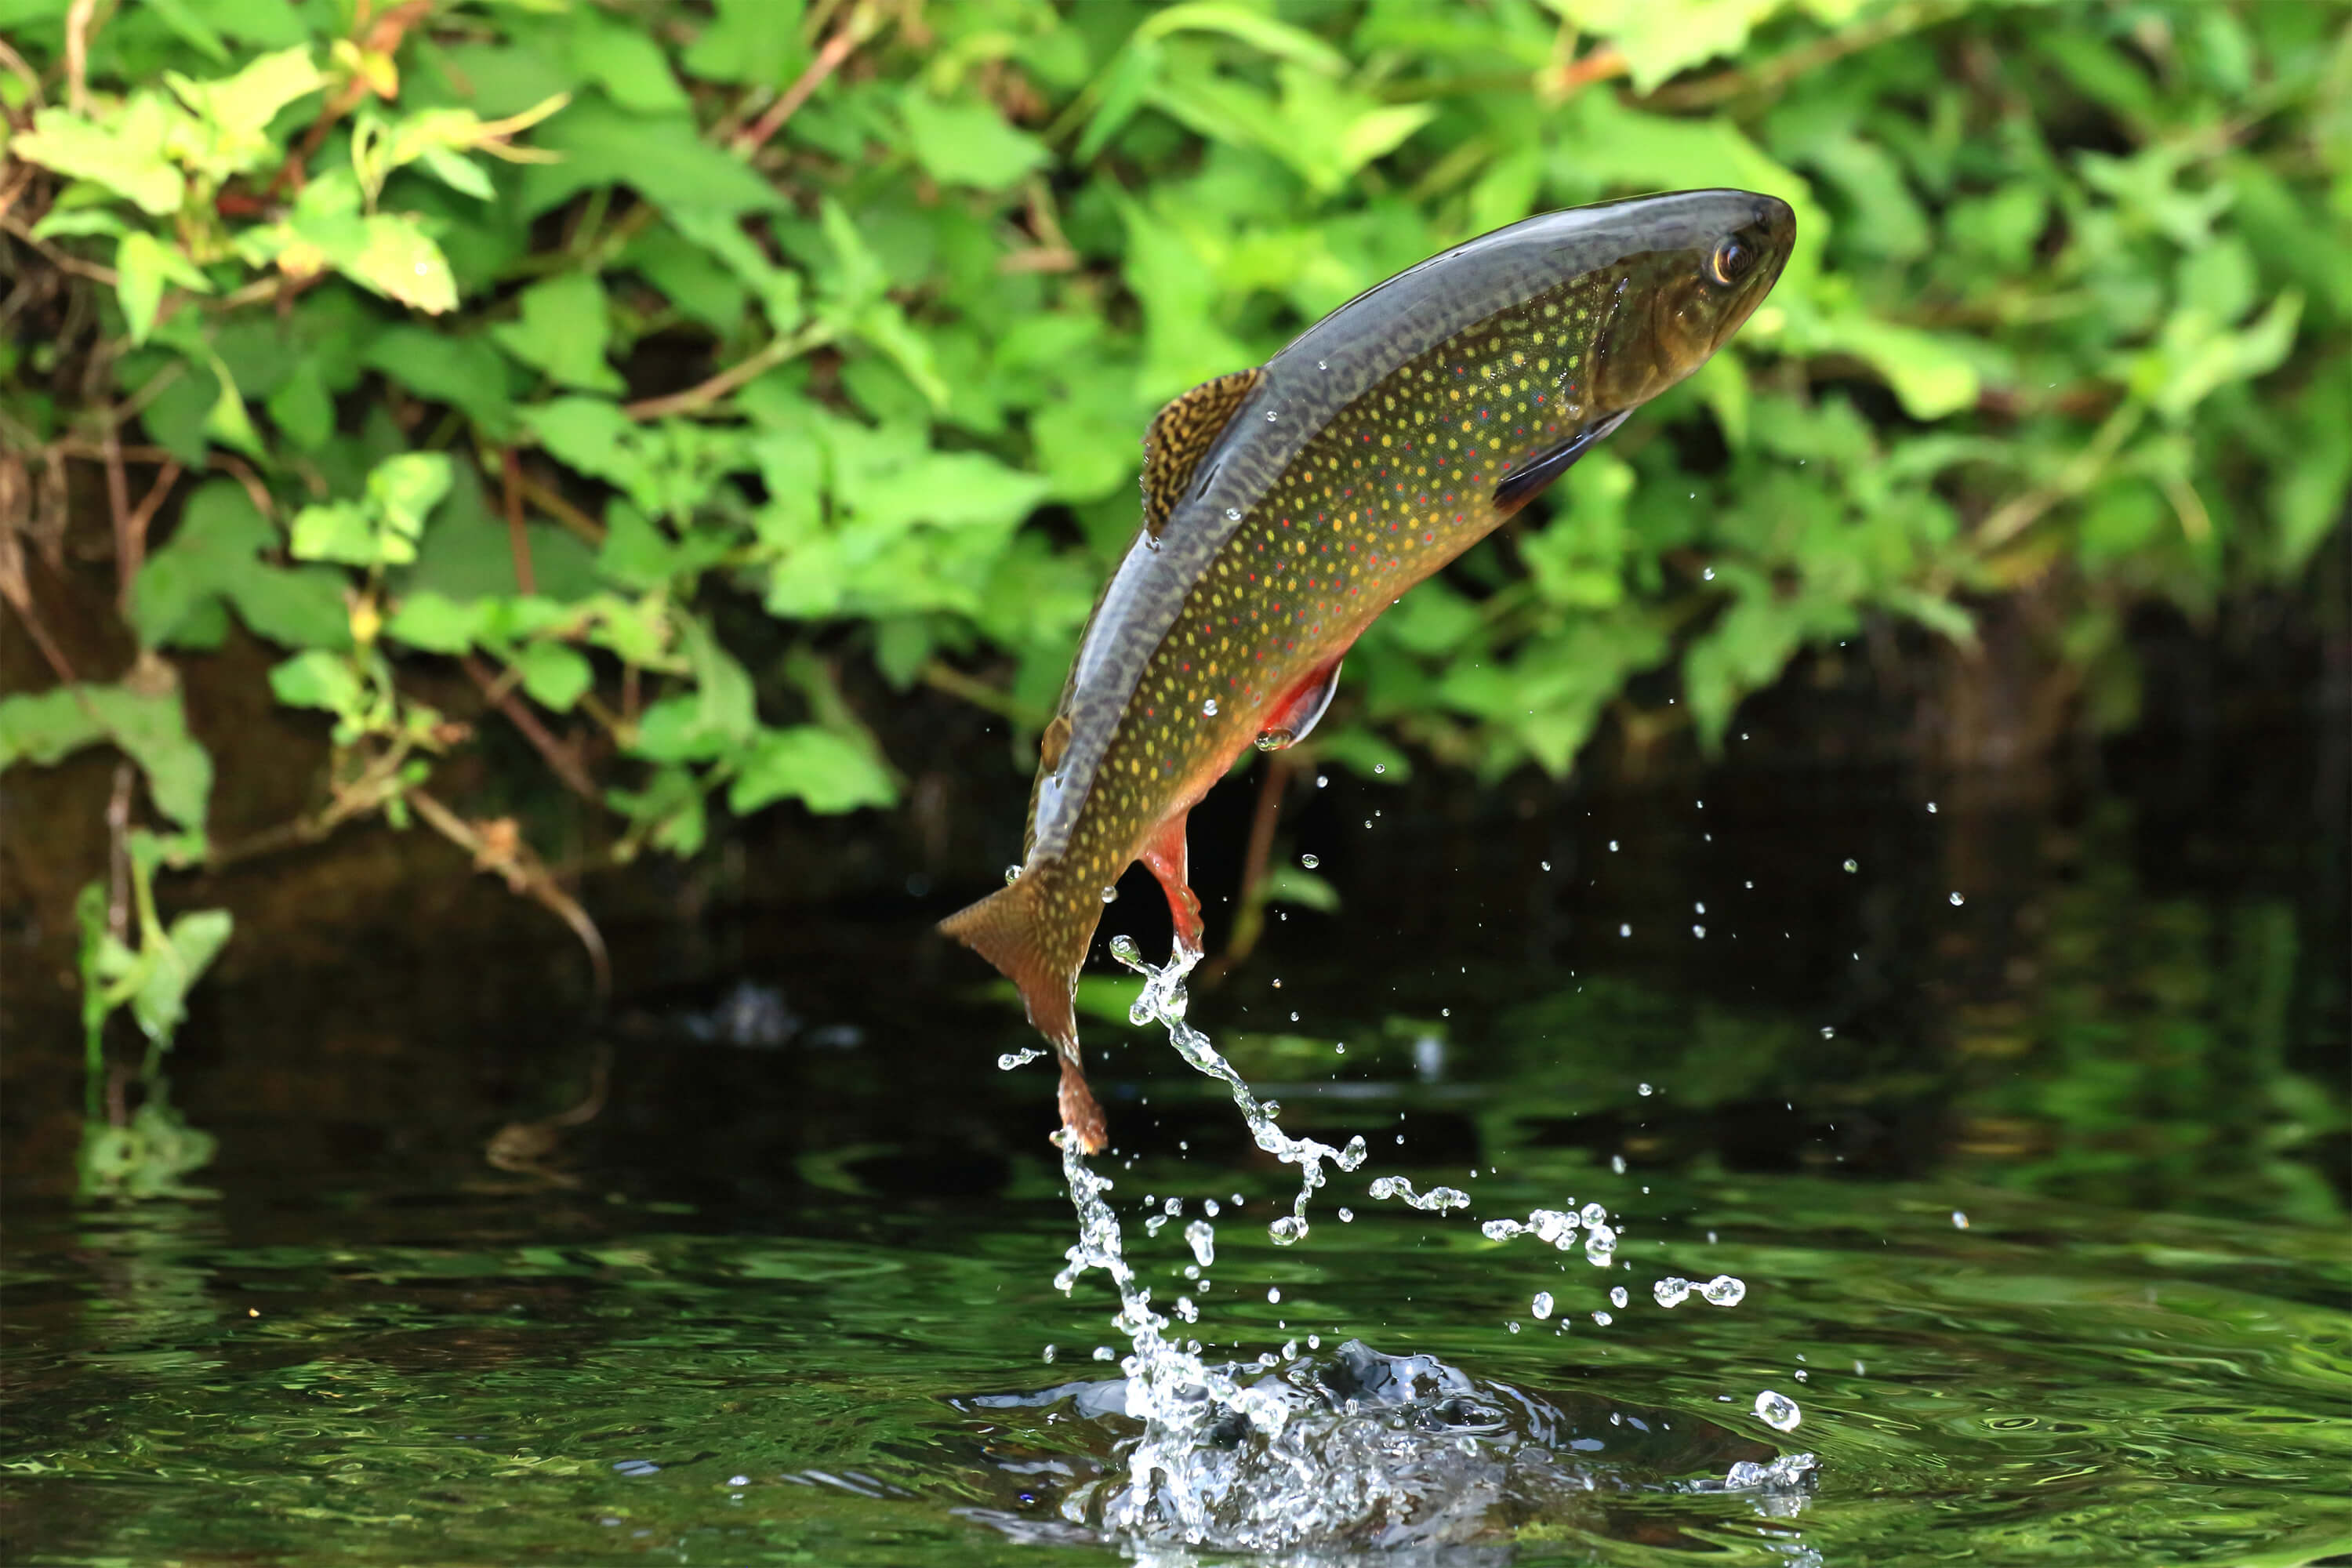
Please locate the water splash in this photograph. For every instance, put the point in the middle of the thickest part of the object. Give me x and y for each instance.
(1437, 1200)
(1163, 1000)
(1021, 1058)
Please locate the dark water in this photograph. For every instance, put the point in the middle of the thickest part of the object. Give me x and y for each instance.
(2038, 1200)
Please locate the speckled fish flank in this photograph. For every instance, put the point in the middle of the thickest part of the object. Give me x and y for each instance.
(1287, 506)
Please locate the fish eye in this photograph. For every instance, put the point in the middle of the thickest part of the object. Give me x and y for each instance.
(1731, 260)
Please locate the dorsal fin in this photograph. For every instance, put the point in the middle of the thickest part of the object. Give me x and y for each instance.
(1181, 434)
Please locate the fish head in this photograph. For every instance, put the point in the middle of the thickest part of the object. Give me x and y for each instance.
(1680, 303)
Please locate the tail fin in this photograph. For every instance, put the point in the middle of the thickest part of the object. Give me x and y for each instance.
(1013, 929)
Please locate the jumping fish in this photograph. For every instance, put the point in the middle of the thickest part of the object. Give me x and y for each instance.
(1285, 506)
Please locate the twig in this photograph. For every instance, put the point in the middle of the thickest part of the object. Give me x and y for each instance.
(496, 847)
(25, 73)
(1770, 76)
(703, 394)
(118, 507)
(944, 677)
(854, 31)
(131, 550)
(548, 500)
(78, 21)
(1249, 916)
(517, 539)
(17, 590)
(558, 756)
(383, 39)
(64, 260)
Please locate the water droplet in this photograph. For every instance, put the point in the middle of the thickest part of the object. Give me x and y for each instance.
(1110, 895)
(1322, 365)
(1617, 1298)
(1050, 1352)
(1617, 1163)
(1467, 1446)
(1777, 1411)
(1594, 1213)
(1647, 1091)
(1958, 900)
(1707, 573)
(1603, 1319)
(1123, 949)
(1613, 847)
(1828, 1033)
(1723, 1291)
(1104, 1353)
(1802, 1375)
(1232, 514)
(1959, 1220)
(1541, 1305)
(1545, 864)
(1931, 808)
(1012, 1060)
(1271, 416)
(1309, 861)
(1211, 1207)
(1853, 866)
(1274, 1293)
(1672, 1291)
(1012, 874)
(1625, 931)
(1699, 931)
(1380, 767)
(1202, 1237)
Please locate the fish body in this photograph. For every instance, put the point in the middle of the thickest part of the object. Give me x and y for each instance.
(1287, 506)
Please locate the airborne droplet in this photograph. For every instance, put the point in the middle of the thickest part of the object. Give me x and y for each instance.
(1110, 895)
(1309, 861)
(1777, 1411)
(1209, 708)
(1012, 874)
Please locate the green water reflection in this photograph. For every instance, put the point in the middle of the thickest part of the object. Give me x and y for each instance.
(2038, 1209)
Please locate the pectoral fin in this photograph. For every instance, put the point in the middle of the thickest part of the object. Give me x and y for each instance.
(1165, 856)
(1295, 717)
(1518, 489)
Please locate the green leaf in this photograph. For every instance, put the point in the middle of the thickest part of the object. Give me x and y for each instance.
(143, 264)
(1660, 37)
(317, 679)
(824, 772)
(341, 531)
(127, 157)
(465, 372)
(754, 42)
(968, 144)
(150, 728)
(627, 63)
(236, 111)
(1259, 31)
(1288, 884)
(406, 488)
(194, 940)
(590, 435)
(555, 675)
(433, 622)
(563, 332)
(664, 159)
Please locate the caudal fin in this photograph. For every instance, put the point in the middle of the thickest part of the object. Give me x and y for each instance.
(1014, 929)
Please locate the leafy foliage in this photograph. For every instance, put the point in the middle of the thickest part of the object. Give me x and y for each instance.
(549, 331)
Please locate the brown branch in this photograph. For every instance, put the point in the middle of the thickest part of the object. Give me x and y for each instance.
(78, 23)
(17, 590)
(1249, 914)
(498, 848)
(24, 73)
(828, 60)
(518, 540)
(131, 550)
(63, 260)
(941, 676)
(704, 394)
(558, 755)
(548, 500)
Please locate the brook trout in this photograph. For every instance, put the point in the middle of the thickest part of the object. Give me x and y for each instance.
(1285, 506)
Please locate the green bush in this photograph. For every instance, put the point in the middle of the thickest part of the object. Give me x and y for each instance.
(530, 334)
